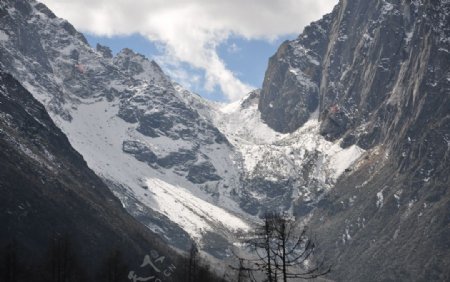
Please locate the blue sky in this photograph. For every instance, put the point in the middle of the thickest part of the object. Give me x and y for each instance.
(216, 48)
(247, 59)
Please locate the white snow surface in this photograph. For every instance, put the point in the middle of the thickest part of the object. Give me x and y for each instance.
(3, 36)
(244, 125)
(380, 199)
(193, 214)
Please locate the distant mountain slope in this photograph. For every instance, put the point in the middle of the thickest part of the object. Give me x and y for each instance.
(131, 123)
(47, 191)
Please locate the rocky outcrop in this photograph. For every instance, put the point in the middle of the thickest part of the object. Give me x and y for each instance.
(290, 91)
(140, 151)
(202, 172)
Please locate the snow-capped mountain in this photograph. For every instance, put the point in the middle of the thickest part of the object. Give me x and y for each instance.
(129, 122)
(158, 146)
(350, 131)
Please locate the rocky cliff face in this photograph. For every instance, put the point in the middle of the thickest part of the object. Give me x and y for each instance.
(290, 92)
(378, 74)
(368, 67)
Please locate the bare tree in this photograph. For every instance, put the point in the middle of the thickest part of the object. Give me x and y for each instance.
(282, 250)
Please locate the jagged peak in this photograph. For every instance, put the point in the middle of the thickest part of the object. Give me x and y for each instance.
(45, 10)
(105, 51)
(127, 52)
(25, 9)
(140, 67)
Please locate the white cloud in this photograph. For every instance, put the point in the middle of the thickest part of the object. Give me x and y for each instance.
(191, 30)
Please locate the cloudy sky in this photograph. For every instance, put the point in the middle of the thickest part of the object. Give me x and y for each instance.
(218, 48)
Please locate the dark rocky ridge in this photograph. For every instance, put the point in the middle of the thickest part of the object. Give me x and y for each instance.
(48, 189)
(383, 84)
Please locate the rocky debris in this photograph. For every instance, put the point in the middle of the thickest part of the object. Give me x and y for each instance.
(184, 160)
(149, 123)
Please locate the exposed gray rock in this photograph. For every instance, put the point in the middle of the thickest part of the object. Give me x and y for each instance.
(149, 123)
(376, 72)
(203, 172)
(361, 57)
(128, 114)
(125, 62)
(290, 91)
(140, 151)
(182, 157)
(334, 126)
